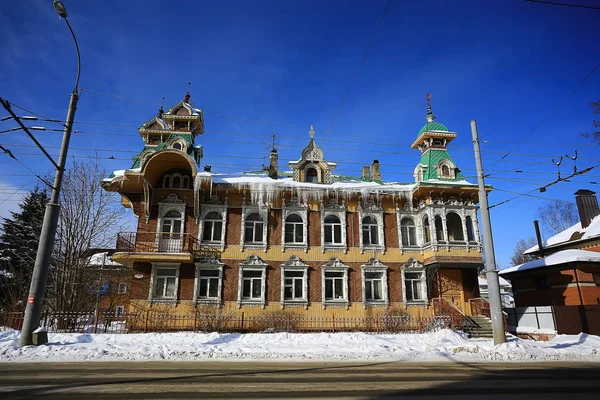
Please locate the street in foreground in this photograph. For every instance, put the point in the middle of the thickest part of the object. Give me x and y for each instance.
(364, 380)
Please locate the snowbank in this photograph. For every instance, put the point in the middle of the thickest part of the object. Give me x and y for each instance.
(187, 346)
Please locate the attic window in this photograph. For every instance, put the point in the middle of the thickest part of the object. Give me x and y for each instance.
(177, 146)
(311, 175)
(445, 170)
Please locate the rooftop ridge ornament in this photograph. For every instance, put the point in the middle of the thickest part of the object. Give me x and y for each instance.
(187, 95)
(161, 110)
(311, 132)
(430, 117)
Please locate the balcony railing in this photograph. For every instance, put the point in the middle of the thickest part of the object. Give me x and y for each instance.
(152, 242)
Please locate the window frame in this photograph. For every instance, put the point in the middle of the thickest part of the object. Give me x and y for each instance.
(336, 266)
(374, 265)
(332, 208)
(294, 264)
(289, 208)
(121, 309)
(213, 205)
(263, 213)
(154, 278)
(209, 263)
(413, 266)
(405, 232)
(122, 291)
(255, 264)
(375, 211)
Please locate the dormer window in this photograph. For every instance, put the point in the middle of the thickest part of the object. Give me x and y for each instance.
(311, 175)
(445, 171)
(177, 146)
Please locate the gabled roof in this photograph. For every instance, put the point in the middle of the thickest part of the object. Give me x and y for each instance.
(560, 257)
(572, 234)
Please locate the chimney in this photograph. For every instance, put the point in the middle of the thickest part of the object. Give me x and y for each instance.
(366, 173)
(375, 171)
(273, 164)
(587, 206)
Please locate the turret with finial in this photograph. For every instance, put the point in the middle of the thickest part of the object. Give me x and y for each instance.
(187, 95)
(430, 117)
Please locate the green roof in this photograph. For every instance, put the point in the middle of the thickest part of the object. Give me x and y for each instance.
(432, 159)
(433, 126)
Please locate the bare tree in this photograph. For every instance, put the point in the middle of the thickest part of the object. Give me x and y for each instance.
(517, 256)
(558, 215)
(596, 123)
(89, 217)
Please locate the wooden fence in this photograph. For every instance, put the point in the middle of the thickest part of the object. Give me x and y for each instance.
(150, 321)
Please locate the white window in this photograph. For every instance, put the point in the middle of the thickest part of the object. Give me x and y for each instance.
(294, 229)
(254, 228)
(209, 280)
(370, 231)
(374, 283)
(209, 284)
(333, 230)
(408, 232)
(334, 283)
(122, 288)
(252, 282)
(414, 282)
(294, 282)
(252, 285)
(119, 311)
(334, 286)
(212, 227)
(171, 238)
(164, 283)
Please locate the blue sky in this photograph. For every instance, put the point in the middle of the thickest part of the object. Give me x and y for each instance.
(505, 63)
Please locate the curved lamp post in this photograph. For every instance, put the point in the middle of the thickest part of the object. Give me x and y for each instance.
(37, 289)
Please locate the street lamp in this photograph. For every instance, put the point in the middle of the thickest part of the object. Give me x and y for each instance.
(41, 268)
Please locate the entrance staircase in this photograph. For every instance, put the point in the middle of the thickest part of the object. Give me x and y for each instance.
(478, 326)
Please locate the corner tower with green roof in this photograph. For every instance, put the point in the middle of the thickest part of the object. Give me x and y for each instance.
(436, 163)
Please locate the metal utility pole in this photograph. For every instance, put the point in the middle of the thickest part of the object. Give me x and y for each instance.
(41, 268)
(488, 245)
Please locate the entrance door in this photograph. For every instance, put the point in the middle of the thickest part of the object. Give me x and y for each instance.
(171, 236)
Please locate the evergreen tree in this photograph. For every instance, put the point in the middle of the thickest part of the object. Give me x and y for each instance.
(18, 247)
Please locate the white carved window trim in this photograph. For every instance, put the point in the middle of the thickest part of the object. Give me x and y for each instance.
(335, 265)
(401, 233)
(252, 263)
(119, 311)
(413, 265)
(264, 214)
(378, 216)
(153, 281)
(302, 212)
(205, 210)
(317, 168)
(171, 203)
(338, 210)
(295, 264)
(451, 170)
(122, 288)
(208, 264)
(374, 265)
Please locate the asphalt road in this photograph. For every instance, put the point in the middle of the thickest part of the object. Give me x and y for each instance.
(243, 380)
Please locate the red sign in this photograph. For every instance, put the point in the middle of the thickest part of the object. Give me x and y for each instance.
(30, 299)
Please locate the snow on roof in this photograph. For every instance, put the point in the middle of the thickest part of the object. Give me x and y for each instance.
(591, 231)
(102, 260)
(447, 182)
(560, 257)
(121, 172)
(483, 281)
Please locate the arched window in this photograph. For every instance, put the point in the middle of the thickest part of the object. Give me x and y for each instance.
(176, 182)
(167, 181)
(186, 182)
(426, 230)
(408, 232)
(439, 229)
(370, 231)
(470, 233)
(454, 227)
(311, 175)
(253, 230)
(177, 146)
(294, 229)
(333, 230)
(213, 227)
(445, 170)
(171, 232)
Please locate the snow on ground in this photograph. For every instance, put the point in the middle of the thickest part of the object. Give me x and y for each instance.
(187, 346)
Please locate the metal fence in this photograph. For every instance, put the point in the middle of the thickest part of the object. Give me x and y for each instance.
(150, 321)
(568, 320)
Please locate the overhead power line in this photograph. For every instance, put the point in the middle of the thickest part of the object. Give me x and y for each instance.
(563, 4)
